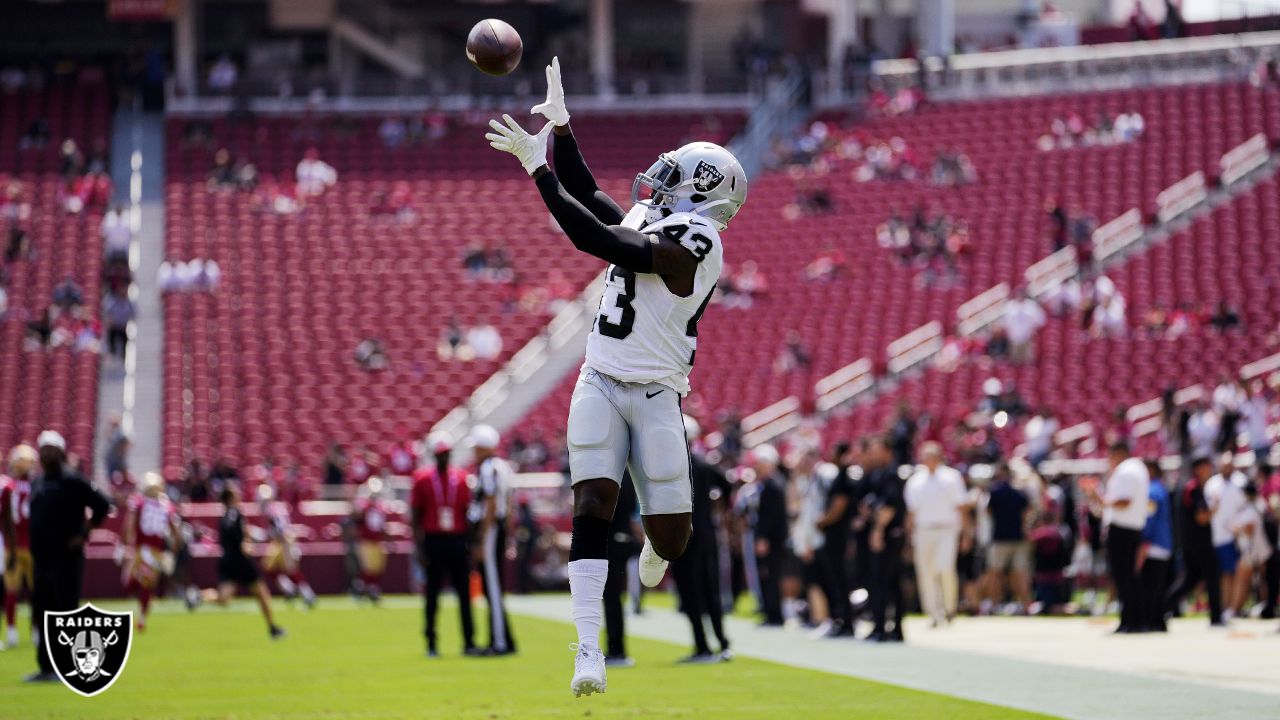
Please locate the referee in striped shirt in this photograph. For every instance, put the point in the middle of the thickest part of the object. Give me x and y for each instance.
(490, 503)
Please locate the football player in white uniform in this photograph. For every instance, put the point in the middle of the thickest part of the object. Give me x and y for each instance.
(664, 260)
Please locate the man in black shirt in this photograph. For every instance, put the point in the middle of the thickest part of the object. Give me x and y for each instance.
(697, 572)
(835, 526)
(769, 528)
(888, 511)
(1199, 563)
(235, 567)
(59, 502)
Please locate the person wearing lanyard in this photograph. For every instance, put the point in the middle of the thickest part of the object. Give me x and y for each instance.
(438, 503)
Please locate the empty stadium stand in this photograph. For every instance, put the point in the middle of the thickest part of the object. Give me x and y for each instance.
(52, 388)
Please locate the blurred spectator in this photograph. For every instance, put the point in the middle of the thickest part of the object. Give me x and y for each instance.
(72, 159)
(398, 203)
(1225, 495)
(223, 174)
(1038, 434)
(195, 275)
(953, 168)
(1254, 414)
(935, 496)
(1022, 319)
(117, 312)
(1009, 555)
(1051, 544)
(371, 356)
(485, 341)
(451, 346)
(1109, 317)
(335, 465)
(393, 131)
(828, 265)
(67, 294)
(314, 175)
(117, 233)
(793, 355)
(36, 136)
(1058, 222)
(223, 75)
(1224, 317)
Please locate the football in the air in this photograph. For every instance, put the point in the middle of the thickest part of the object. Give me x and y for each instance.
(494, 47)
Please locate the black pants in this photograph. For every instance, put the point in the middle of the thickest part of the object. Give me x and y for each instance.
(117, 340)
(494, 548)
(57, 588)
(1271, 581)
(697, 577)
(1122, 555)
(835, 580)
(769, 567)
(1199, 565)
(1152, 581)
(861, 577)
(885, 588)
(446, 557)
(615, 586)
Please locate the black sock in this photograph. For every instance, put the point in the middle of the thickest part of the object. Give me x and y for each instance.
(590, 539)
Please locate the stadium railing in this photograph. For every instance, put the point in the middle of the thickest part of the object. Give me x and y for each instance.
(1073, 69)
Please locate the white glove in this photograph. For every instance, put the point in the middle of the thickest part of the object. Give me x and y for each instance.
(553, 109)
(530, 150)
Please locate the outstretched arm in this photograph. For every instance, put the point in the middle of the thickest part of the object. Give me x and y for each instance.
(628, 249)
(572, 169)
(577, 178)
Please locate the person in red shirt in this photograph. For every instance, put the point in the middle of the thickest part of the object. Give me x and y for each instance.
(401, 458)
(15, 524)
(369, 517)
(150, 534)
(438, 503)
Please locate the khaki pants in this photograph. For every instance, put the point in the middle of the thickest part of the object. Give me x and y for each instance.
(935, 559)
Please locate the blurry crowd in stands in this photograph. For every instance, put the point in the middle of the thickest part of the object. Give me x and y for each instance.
(932, 242)
(84, 187)
(482, 341)
(1072, 130)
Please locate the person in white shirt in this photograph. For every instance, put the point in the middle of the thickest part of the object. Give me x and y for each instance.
(1253, 416)
(1224, 493)
(1038, 434)
(1124, 514)
(116, 233)
(1251, 540)
(936, 496)
(1022, 318)
(314, 175)
(1202, 430)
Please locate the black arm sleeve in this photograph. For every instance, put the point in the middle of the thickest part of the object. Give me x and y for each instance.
(628, 249)
(581, 184)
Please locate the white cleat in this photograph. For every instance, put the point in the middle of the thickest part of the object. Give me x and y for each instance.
(652, 566)
(12, 639)
(588, 671)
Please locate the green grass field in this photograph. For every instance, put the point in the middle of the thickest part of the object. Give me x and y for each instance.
(347, 662)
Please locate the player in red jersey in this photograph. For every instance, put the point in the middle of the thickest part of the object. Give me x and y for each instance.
(369, 516)
(282, 561)
(15, 524)
(151, 533)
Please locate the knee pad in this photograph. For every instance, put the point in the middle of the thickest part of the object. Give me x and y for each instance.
(665, 456)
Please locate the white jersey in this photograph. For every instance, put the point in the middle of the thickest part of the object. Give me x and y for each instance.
(644, 332)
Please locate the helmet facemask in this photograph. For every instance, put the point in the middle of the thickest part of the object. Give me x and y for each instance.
(663, 190)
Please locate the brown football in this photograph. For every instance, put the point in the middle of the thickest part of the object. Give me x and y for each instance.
(494, 47)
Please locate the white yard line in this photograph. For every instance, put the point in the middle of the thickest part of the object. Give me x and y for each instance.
(1065, 667)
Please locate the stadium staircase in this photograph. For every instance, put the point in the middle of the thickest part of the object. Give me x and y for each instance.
(131, 392)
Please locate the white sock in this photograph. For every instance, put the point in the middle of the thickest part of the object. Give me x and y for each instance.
(586, 588)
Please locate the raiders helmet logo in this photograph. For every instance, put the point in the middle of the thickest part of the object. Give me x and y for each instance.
(89, 647)
(706, 177)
